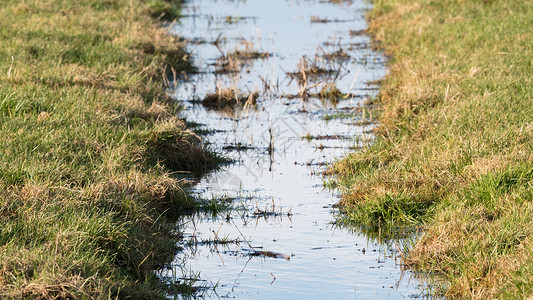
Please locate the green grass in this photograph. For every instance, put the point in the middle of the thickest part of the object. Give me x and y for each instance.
(89, 149)
(454, 149)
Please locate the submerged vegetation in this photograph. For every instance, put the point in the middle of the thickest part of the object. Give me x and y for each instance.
(90, 148)
(454, 149)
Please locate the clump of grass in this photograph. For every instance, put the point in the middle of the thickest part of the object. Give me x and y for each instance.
(229, 97)
(387, 211)
(331, 93)
(454, 147)
(212, 207)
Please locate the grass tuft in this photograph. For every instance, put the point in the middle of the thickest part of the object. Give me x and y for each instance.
(229, 97)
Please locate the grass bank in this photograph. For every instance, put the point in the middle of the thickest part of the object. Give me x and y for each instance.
(454, 150)
(89, 148)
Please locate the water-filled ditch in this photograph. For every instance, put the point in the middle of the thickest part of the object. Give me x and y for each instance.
(281, 86)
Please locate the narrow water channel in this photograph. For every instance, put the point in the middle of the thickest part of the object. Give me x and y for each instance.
(308, 70)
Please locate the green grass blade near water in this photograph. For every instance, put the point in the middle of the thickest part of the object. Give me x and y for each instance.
(454, 149)
(89, 147)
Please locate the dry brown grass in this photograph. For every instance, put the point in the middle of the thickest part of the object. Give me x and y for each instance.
(229, 97)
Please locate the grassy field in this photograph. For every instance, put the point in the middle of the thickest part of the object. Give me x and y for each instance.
(89, 148)
(454, 150)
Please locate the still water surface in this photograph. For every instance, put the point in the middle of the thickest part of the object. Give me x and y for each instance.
(280, 147)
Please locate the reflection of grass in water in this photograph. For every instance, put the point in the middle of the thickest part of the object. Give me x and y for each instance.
(237, 147)
(380, 233)
(186, 283)
(239, 206)
(199, 129)
(396, 242)
(316, 19)
(214, 207)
